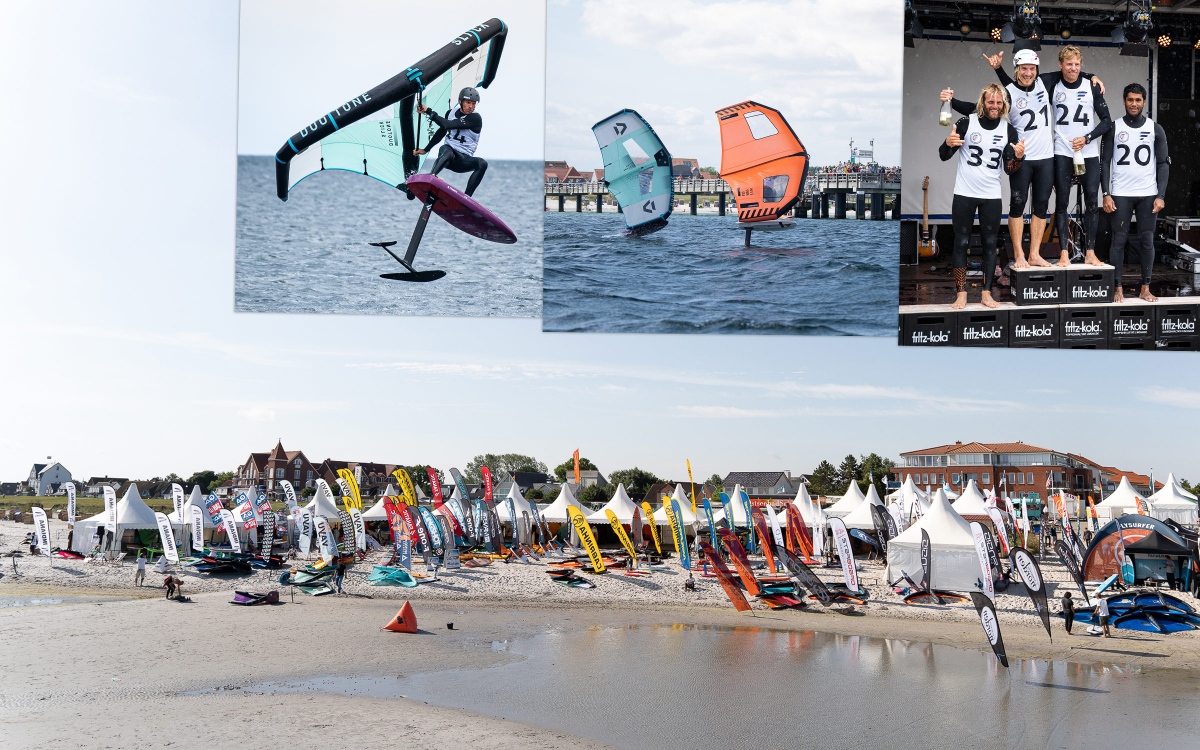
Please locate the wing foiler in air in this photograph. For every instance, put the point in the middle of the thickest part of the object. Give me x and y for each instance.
(375, 133)
(764, 162)
(637, 171)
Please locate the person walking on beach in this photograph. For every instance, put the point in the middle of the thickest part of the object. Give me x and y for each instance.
(140, 575)
(1068, 605)
(169, 584)
(338, 574)
(1102, 615)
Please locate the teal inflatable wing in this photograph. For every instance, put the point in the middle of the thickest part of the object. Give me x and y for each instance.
(640, 181)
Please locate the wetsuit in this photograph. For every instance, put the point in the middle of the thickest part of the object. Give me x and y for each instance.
(987, 148)
(462, 138)
(1079, 111)
(1134, 168)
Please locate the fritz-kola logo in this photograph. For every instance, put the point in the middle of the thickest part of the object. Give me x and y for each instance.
(975, 138)
(1049, 293)
(1024, 331)
(1130, 326)
(1089, 292)
(936, 337)
(1122, 136)
(975, 334)
(1082, 329)
(1185, 325)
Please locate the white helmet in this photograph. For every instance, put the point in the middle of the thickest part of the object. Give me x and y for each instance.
(1026, 57)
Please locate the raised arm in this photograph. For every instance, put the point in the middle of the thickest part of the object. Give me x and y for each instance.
(952, 143)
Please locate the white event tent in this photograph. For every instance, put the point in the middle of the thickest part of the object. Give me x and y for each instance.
(556, 512)
(734, 509)
(689, 519)
(954, 564)
(1122, 501)
(848, 502)
(971, 502)
(620, 504)
(132, 514)
(861, 517)
(322, 504)
(1171, 502)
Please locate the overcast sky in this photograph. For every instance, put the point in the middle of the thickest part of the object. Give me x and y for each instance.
(300, 60)
(123, 355)
(832, 69)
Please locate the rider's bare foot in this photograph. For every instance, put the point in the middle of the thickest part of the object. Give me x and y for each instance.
(1064, 260)
(988, 301)
(961, 301)
(1035, 259)
(1019, 260)
(1146, 295)
(1092, 260)
(1118, 295)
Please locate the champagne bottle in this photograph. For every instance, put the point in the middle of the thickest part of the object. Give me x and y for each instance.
(944, 117)
(1080, 167)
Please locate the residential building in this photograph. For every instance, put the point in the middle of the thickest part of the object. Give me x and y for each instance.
(685, 168)
(94, 487)
(262, 472)
(560, 171)
(45, 479)
(373, 478)
(1020, 469)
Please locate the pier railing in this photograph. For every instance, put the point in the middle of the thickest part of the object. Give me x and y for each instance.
(682, 187)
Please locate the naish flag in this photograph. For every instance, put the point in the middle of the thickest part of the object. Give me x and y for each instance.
(196, 520)
(167, 535)
(41, 526)
(1035, 584)
(991, 625)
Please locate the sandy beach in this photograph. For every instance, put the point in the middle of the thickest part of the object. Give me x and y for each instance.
(114, 670)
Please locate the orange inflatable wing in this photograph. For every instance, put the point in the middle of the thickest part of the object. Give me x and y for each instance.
(762, 160)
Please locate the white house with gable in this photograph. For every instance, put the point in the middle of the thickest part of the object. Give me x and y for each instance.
(45, 479)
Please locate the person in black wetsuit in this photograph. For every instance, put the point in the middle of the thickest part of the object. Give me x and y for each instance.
(1134, 167)
(460, 127)
(1080, 118)
(986, 143)
(1030, 112)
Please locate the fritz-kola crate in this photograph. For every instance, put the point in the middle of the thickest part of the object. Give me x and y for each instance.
(983, 327)
(1038, 286)
(1130, 321)
(1177, 324)
(1082, 324)
(1033, 326)
(927, 325)
(1089, 285)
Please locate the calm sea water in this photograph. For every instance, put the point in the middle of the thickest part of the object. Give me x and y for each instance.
(751, 687)
(310, 254)
(826, 277)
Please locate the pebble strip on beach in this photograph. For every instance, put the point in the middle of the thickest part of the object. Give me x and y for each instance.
(503, 582)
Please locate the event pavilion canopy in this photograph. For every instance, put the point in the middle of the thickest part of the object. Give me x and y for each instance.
(954, 563)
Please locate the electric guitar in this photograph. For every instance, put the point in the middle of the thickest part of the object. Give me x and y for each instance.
(926, 244)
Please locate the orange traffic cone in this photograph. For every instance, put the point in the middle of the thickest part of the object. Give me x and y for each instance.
(405, 620)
